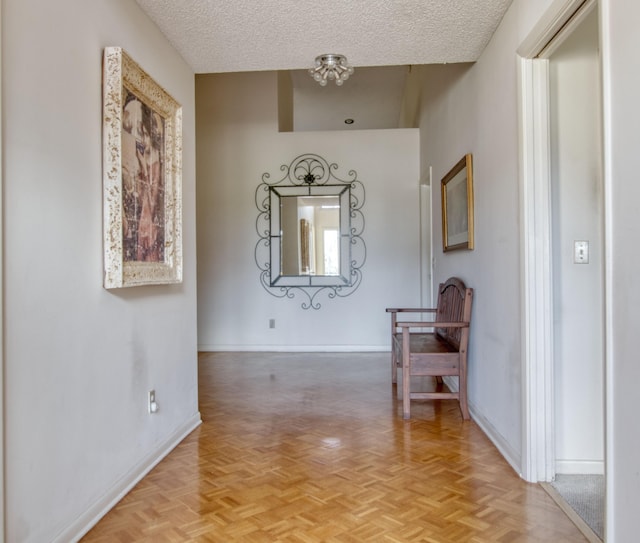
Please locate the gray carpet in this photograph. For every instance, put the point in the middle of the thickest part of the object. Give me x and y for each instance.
(585, 495)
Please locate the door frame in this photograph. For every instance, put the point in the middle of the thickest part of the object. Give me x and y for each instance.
(538, 428)
(2, 349)
(538, 406)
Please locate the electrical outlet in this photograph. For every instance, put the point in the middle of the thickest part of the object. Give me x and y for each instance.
(153, 406)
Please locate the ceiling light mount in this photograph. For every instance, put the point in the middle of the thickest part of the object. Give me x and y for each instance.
(331, 67)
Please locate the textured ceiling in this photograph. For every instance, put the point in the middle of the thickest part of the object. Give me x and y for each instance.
(380, 38)
(249, 35)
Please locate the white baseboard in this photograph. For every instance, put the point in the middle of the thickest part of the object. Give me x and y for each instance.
(506, 450)
(510, 454)
(95, 512)
(580, 467)
(207, 348)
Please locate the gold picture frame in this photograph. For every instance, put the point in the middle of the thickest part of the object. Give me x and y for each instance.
(457, 206)
(142, 177)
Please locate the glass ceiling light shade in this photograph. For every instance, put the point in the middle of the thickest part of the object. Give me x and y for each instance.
(331, 67)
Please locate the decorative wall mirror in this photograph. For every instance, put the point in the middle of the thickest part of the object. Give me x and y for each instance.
(310, 225)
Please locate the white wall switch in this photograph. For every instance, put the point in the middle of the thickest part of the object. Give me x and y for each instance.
(580, 252)
(153, 405)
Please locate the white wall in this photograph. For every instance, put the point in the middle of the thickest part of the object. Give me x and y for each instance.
(2, 350)
(79, 360)
(577, 214)
(621, 67)
(238, 141)
(461, 113)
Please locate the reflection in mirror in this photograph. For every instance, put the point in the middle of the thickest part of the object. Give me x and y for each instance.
(310, 225)
(310, 235)
(297, 230)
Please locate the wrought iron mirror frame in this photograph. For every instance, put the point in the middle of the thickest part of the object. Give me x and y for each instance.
(310, 175)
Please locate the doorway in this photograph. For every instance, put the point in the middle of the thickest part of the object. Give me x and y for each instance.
(577, 266)
(563, 202)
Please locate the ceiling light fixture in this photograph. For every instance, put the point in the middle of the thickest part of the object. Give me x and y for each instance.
(331, 66)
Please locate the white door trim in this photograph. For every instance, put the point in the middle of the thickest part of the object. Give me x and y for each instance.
(2, 370)
(551, 26)
(426, 242)
(605, 43)
(538, 447)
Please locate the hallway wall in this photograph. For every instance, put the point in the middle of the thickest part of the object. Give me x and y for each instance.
(79, 360)
(237, 142)
(460, 113)
(621, 67)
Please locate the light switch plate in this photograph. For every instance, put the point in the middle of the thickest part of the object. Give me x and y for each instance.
(580, 252)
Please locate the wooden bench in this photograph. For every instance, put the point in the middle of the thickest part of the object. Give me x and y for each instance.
(420, 348)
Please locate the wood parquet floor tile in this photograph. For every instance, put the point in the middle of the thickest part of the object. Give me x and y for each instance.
(308, 448)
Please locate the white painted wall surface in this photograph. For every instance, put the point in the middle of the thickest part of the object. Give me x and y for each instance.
(238, 141)
(79, 359)
(621, 75)
(2, 350)
(577, 214)
(461, 112)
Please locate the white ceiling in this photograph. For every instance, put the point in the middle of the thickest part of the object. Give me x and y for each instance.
(216, 36)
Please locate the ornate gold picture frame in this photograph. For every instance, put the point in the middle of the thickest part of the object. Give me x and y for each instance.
(142, 177)
(457, 206)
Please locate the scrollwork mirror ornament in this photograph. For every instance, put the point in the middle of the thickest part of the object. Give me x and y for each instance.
(310, 225)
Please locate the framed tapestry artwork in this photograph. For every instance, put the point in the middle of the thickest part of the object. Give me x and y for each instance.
(457, 206)
(142, 177)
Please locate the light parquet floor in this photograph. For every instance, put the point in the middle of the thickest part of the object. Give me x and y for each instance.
(303, 448)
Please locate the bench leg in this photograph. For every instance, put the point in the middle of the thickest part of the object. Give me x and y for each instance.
(406, 395)
(462, 392)
(394, 363)
(406, 376)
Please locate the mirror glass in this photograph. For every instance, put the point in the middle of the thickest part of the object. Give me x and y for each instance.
(310, 235)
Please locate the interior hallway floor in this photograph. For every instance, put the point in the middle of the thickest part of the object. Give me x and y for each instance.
(298, 447)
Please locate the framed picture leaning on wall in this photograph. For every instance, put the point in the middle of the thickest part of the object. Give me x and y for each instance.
(142, 177)
(457, 206)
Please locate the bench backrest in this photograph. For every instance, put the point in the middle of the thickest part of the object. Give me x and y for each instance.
(454, 305)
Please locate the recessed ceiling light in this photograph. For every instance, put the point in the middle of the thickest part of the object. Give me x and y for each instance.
(348, 121)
